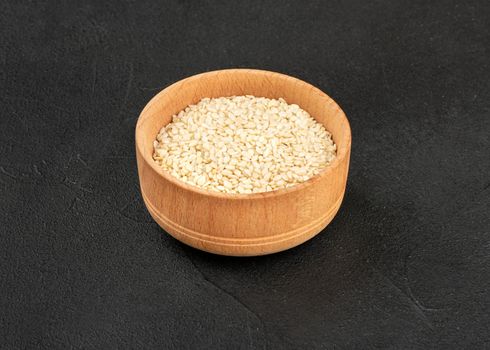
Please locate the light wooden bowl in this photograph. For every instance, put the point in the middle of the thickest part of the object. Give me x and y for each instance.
(242, 224)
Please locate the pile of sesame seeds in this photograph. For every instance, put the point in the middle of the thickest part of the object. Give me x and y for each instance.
(243, 144)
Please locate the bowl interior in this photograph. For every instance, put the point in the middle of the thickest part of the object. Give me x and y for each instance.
(173, 99)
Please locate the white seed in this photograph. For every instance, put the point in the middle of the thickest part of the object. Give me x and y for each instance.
(243, 144)
(201, 180)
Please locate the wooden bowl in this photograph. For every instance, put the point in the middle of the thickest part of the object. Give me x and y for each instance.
(242, 224)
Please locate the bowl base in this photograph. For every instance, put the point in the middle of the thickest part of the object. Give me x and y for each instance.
(242, 246)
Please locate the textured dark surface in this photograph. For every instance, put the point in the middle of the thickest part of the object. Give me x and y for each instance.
(404, 265)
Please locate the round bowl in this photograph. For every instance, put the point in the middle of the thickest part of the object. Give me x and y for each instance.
(242, 224)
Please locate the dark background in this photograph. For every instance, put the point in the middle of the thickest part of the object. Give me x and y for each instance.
(404, 265)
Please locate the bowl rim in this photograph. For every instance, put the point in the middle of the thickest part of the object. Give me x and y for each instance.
(247, 196)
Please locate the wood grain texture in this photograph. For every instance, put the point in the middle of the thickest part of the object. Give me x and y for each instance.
(242, 224)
